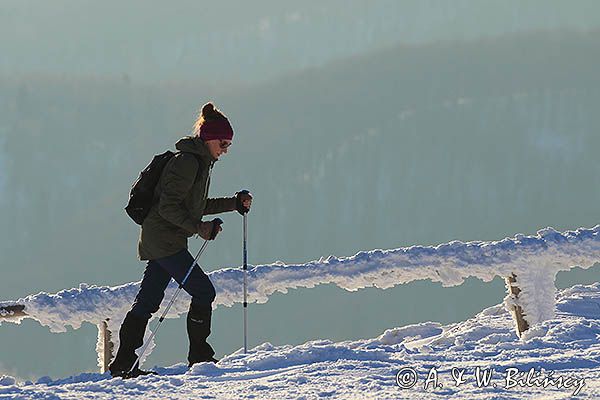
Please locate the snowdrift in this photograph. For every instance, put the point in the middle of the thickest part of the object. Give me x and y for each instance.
(562, 359)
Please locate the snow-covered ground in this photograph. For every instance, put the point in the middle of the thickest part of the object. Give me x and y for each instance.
(564, 351)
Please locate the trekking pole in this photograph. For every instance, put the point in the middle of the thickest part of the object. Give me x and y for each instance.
(164, 314)
(245, 284)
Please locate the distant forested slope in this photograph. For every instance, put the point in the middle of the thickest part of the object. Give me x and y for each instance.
(483, 138)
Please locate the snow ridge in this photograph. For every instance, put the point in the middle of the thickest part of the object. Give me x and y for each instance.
(538, 257)
(534, 259)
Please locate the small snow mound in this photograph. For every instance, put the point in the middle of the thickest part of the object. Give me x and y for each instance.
(417, 331)
(6, 380)
(580, 300)
(267, 357)
(534, 332)
(205, 369)
(43, 380)
(494, 310)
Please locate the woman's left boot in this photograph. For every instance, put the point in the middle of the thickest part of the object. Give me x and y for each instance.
(198, 328)
(131, 337)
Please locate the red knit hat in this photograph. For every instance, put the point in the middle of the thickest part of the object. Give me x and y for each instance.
(216, 129)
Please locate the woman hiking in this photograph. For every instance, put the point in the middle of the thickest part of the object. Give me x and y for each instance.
(182, 193)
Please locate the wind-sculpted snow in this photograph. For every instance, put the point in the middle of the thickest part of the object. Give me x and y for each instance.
(450, 264)
(565, 352)
(534, 259)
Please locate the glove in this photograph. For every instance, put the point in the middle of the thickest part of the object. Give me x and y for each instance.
(243, 201)
(208, 230)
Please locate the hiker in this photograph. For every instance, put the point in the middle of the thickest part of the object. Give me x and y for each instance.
(182, 202)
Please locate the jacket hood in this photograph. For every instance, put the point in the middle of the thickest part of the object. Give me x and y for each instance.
(191, 144)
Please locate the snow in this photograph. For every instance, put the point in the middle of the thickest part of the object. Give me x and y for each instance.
(565, 352)
(534, 259)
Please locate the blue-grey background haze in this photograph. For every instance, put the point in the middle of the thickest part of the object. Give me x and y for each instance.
(359, 125)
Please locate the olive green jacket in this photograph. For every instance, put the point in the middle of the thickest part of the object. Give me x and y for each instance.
(182, 191)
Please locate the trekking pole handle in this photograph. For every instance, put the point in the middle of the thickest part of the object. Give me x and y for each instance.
(244, 191)
(217, 222)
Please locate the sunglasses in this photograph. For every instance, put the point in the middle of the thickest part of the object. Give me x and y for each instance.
(223, 144)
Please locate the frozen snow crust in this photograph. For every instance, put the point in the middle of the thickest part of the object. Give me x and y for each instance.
(565, 346)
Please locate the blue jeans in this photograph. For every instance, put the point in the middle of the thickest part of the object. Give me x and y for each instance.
(157, 276)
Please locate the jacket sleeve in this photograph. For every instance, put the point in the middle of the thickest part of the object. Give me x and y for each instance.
(219, 205)
(178, 180)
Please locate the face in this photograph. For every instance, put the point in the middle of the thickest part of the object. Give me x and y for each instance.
(218, 147)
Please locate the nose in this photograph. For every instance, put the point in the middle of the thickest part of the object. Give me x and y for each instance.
(226, 149)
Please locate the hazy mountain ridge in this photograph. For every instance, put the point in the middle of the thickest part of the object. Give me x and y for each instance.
(249, 42)
(378, 109)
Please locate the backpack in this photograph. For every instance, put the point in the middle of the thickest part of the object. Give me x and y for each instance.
(141, 196)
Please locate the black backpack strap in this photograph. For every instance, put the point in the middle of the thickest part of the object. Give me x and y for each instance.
(156, 196)
(198, 158)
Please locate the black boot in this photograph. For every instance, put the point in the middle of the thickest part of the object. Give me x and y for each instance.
(198, 328)
(131, 337)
